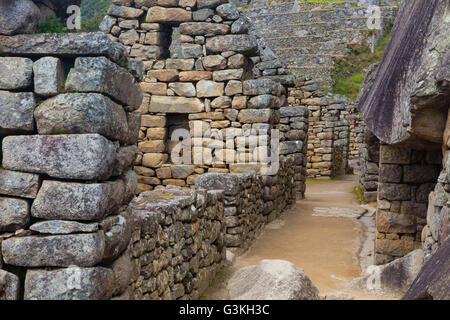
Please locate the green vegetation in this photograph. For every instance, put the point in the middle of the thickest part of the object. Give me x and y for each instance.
(51, 25)
(359, 195)
(349, 70)
(92, 13)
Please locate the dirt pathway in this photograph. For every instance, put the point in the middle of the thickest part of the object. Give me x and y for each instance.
(327, 247)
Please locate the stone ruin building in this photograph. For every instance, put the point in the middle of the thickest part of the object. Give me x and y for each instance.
(140, 156)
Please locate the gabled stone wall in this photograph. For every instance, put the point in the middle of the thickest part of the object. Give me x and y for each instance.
(68, 142)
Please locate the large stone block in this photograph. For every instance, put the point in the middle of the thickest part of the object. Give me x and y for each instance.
(64, 44)
(168, 15)
(261, 86)
(69, 284)
(84, 156)
(395, 248)
(98, 74)
(18, 184)
(48, 76)
(14, 214)
(15, 73)
(394, 192)
(420, 173)
(126, 12)
(289, 147)
(164, 104)
(395, 155)
(241, 43)
(82, 113)
(77, 201)
(84, 250)
(16, 111)
(255, 115)
(206, 88)
(392, 222)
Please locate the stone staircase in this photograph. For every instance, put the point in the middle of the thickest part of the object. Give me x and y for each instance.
(308, 36)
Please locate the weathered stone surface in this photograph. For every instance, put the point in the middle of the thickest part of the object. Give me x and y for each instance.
(56, 227)
(19, 16)
(180, 64)
(432, 282)
(272, 280)
(207, 88)
(191, 50)
(392, 222)
(168, 15)
(203, 28)
(125, 158)
(147, 52)
(208, 3)
(84, 157)
(152, 146)
(406, 101)
(394, 192)
(107, 23)
(15, 73)
(393, 278)
(152, 121)
(230, 74)
(18, 184)
(195, 75)
(82, 113)
(16, 111)
(129, 37)
(48, 76)
(175, 105)
(182, 171)
(69, 284)
(64, 44)
(261, 86)
(14, 214)
(228, 11)
(241, 43)
(255, 115)
(122, 269)
(288, 147)
(124, 12)
(214, 62)
(264, 101)
(183, 89)
(77, 201)
(202, 14)
(83, 250)
(100, 75)
(154, 160)
(9, 286)
(117, 231)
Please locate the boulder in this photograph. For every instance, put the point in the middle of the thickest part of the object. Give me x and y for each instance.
(272, 280)
(433, 281)
(18, 16)
(69, 284)
(393, 278)
(81, 156)
(408, 99)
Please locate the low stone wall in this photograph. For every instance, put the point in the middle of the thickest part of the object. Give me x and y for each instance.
(68, 139)
(406, 178)
(177, 243)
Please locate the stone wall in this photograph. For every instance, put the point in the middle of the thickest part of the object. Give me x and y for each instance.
(369, 166)
(406, 178)
(68, 135)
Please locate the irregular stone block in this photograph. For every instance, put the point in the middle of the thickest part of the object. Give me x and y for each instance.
(165, 104)
(207, 88)
(64, 44)
(294, 112)
(146, 51)
(18, 184)
(69, 284)
(15, 73)
(124, 159)
(14, 214)
(395, 155)
(229, 74)
(9, 286)
(203, 28)
(241, 43)
(183, 89)
(84, 156)
(154, 160)
(77, 201)
(56, 227)
(117, 231)
(390, 222)
(100, 75)
(124, 12)
(255, 115)
(261, 86)
(180, 64)
(48, 76)
(191, 50)
(168, 15)
(264, 101)
(288, 147)
(187, 76)
(83, 250)
(16, 111)
(82, 113)
(394, 192)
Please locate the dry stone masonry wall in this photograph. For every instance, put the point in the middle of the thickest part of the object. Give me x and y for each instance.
(68, 140)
